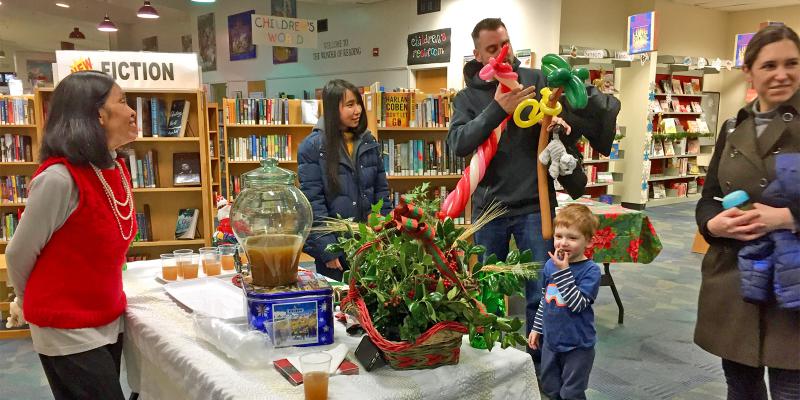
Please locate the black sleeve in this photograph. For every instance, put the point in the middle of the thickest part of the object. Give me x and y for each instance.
(707, 206)
(469, 129)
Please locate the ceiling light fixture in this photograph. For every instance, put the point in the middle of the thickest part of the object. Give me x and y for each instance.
(203, 1)
(147, 11)
(76, 34)
(63, 5)
(107, 25)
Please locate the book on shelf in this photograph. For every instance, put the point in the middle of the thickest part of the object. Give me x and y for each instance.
(696, 107)
(666, 86)
(669, 149)
(658, 148)
(687, 88)
(16, 148)
(669, 125)
(676, 86)
(186, 169)
(696, 86)
(411, 108)
(702, 127)
(692, 145)
(135, 258)
(16, 111)
(605, 177)
(676, 105)
(659, 191)
(145, 230)
(186, 225)
(158, 117)
(420, 158)
(655, 107)
(144, 170)
(258, 111)
(614, 154)
(692, 187)
(260, 147)
(9, 223)
(178, 117)
(680, 188)
(591, 174)
(14, 188)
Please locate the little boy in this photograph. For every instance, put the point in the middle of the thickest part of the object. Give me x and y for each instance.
(565, 318)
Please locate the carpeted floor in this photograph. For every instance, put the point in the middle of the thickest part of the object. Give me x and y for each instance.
(650, 357)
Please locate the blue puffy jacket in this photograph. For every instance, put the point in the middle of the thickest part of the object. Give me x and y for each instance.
(770, 266)
(361, 184)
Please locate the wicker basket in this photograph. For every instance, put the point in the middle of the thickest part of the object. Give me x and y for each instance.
(439, 345)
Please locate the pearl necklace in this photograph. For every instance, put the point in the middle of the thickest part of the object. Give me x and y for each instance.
(115, 204)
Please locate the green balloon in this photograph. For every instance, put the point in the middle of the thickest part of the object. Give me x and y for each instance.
(560, 74)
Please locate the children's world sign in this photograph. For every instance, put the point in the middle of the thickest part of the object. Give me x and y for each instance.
(286, 32)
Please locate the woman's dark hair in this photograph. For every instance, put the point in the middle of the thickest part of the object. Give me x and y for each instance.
(73, 127)
(767, 35)
(333, 95)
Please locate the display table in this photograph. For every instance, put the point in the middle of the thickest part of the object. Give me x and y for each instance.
(624, 236)
(165, 360)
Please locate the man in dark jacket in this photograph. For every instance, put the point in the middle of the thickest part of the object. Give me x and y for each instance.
(511, 176)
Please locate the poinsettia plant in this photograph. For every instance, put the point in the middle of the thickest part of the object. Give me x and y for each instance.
(408, 287)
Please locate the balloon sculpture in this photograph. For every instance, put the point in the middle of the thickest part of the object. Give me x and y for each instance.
(456, 201)
(560, 76)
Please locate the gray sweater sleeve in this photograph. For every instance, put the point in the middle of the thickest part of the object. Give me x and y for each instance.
(52, 198)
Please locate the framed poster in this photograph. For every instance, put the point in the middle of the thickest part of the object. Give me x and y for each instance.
(207, 37)
(284, 8)
(240, 36)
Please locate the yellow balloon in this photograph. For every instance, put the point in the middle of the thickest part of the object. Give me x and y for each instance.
(550, 111)
(546, 92)
(536, 115)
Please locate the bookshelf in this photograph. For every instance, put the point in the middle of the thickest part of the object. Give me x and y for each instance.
(214, 158)
(20, 133)
(677, 148)
(166, 199)
(246, 144)
(663, 109)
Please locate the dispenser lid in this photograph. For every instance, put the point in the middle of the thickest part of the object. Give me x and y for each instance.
(269, 173)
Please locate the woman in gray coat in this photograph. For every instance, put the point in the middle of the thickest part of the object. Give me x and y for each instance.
(749, 337)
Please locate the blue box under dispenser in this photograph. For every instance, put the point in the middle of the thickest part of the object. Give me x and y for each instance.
(293, 315)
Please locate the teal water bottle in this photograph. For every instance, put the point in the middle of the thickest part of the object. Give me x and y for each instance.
(739, 199)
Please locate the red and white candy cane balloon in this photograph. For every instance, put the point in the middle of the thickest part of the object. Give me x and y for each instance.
(457, 200)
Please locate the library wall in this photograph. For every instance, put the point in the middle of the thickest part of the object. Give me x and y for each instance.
(168, 32)
(597, 23)
(693, 31)
(385, 25)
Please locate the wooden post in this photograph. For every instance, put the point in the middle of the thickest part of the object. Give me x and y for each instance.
(541, 170)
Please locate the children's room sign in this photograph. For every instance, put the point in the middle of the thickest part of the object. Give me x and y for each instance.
(287, 32)
(133, 69)
(642, 33)
(429, 47)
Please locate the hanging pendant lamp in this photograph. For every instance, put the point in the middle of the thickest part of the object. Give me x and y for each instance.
(107, 25)
(147, 11)
(76, 34)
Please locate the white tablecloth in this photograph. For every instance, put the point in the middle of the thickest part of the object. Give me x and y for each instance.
(165, 360)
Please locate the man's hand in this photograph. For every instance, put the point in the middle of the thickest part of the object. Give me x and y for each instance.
(560, 121)
(774, 218)
(334, 264)
(509, 101)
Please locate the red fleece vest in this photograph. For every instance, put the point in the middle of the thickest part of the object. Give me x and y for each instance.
(77, 279)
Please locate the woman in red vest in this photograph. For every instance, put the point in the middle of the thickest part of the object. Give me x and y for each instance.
(65, 259)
